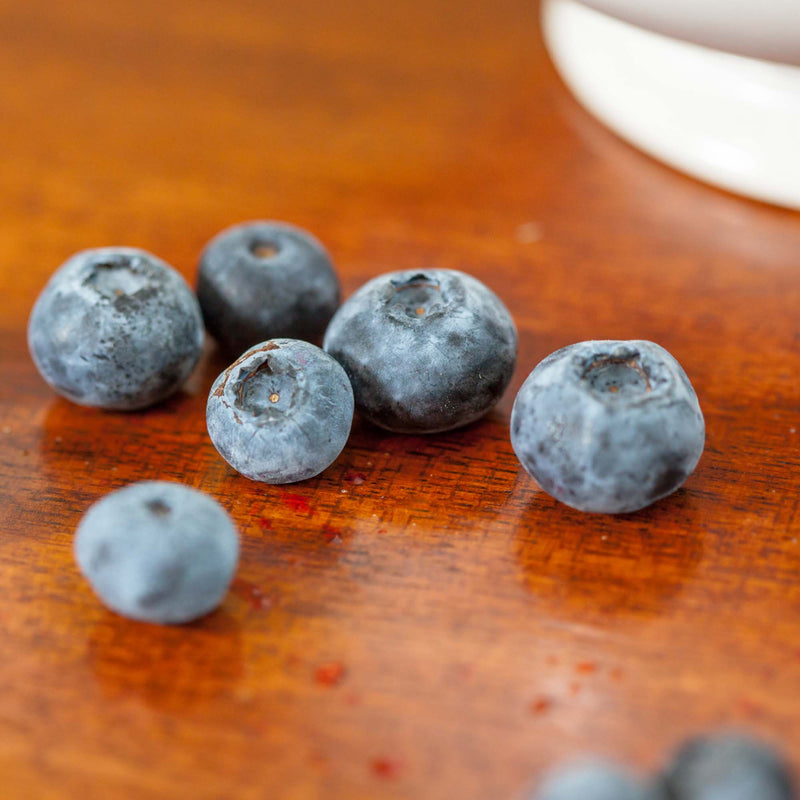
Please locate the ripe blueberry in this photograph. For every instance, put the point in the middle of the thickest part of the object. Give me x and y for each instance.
(590, 780)
(281, 412)
(425, 351)
(260, 280)
(116, 328)
(727, 767)
(608, 426)
(158, 552)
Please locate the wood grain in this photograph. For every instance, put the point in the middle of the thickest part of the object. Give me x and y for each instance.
(420, 621)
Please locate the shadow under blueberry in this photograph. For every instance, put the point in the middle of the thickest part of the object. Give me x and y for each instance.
(608, 565)
(169, 668)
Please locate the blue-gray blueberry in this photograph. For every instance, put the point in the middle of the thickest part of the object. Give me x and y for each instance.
(727, 766)
(117, 328)
(261, 280)
(158, 552)
(426, 351)
(608, 426)
(590, 780)
(281, 412)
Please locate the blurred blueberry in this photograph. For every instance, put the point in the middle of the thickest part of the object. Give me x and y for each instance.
(158, 552)
(727, 766)
(115, 328)
(260, 280)
(281, 412)
(608, 426)
(589, 780)
(425, 351)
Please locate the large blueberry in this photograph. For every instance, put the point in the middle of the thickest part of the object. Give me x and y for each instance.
(261, 280)
(589, 780)
(117, 328)
(158, 552)
(608, 426)
(281, 412)
(425, 351)
(727, 766)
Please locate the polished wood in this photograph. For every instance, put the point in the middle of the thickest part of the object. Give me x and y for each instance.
(420, 621)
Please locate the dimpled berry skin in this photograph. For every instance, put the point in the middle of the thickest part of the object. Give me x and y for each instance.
(261, 280)
(608, 426)
(426, 351)
(115, 328)
(727, 767)
(281, 412)
(158, 552)
(590, 780)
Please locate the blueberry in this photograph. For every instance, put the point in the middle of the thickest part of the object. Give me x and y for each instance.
(115, 328)
(426, 351)
(158, 552)
(590, 780)
(261, 280)
(281, 412)
(727, 766)
(608, 426)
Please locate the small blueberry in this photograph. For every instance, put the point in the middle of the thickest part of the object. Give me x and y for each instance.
(727, 766)
(589, 780)
(158, 552)
(281, 412)
(608, 426)
(261, 280)
(426, 351)
(115, 328)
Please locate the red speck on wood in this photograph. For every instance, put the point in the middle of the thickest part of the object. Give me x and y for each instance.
(296, 502)
(586, 667)
(383, 530)
(540, 705)
(750, 707)
(251, 594)
(330, 674)
(386, 767)
(356, 478)
(331, 534)
(266, 524)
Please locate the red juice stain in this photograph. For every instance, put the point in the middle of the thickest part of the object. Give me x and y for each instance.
(383, 530)
(330, 674)
(750, 708)
(331, 534)
(540, 705)
(586, 667)
(386, 767)
(356, 478)
(265, 524)
(251, 594)
(296, 503)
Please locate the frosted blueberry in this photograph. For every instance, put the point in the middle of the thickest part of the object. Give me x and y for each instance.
(590, 780)
(281, 412)
(260, 280)
(608, 426)
(116, 328)
(727, 767)
(425, 351)
(158, 552)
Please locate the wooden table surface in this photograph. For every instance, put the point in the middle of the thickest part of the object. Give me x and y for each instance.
(420, 621)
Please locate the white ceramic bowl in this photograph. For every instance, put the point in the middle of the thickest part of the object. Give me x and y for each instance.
(767, 29)
(730, 120)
